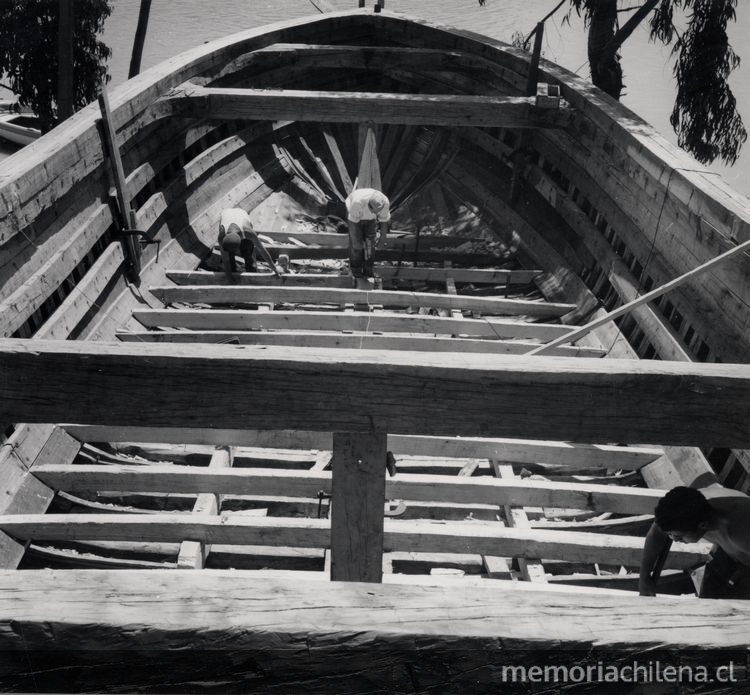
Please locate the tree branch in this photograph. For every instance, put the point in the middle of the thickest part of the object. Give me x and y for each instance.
(629, 27)
(543, 19)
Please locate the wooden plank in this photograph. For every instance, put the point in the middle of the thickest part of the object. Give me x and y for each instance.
(338, 159)
(361, 633)
(469, 395)
(233, 294)
(304, 483)
(356, 107)
(421, 274)
(337, 339)
(192, 554)
(41, 284)
(515, 450)
(219, 319)
(394, 254)
(368, 175)
(358, 494)
(474, 537)
(84, 295)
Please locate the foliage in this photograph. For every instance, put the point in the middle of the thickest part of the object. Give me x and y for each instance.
(29, 47)
(705, 115)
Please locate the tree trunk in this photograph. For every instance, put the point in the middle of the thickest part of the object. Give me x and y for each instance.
(606, 71)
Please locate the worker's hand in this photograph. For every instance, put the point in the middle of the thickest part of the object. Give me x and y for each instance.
(646, 587)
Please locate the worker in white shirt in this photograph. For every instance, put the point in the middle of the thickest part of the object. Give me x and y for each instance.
(236, 236)
(368, 218)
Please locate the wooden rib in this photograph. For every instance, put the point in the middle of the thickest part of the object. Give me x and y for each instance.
(217, 319)
(404, 273)
(475, 537)
(431, 488)
(356, 107)
(514, 450)
(231, 294)
(192, 554)
(333, 339)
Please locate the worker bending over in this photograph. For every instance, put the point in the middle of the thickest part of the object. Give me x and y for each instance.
(236, 236)
(716, 514)
(368, 216)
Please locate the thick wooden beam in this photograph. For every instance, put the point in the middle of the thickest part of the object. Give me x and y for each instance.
(228, 319)
(367, 341)
(357, 107)
(357, 497)
(459, 635)
(238, 294)
(90, 382)
(476, 276)
(514, 450)
(474, 537)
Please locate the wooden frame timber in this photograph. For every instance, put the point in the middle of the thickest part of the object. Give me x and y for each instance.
(231, 294)
(389, 273)
(375, 107)
(699, 404)
(476, 537)
(363, 321)
(270, 482)
(511, 450)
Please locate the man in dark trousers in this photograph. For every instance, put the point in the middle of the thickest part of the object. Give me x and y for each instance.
(236, 237)
(717, 514)
(368, 217)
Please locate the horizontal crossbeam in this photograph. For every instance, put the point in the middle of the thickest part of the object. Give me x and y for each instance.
(594, 401)
(510, 450)
(227, 319)
(420, 488)
(475, 276)
(356, 107)
(367, 341)
(238, 294)
(483, 538)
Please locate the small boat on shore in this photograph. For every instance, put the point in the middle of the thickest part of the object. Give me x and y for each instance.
(19, 128)
(290, 483)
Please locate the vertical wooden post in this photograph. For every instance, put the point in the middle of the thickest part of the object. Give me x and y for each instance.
(533, 76)
(357, 500)
(65, 60)
(140, 38)
(132, 249)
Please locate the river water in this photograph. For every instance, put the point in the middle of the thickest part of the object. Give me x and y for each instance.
(176, 26)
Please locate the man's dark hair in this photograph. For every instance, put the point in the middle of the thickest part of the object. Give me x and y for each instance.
(682, 509)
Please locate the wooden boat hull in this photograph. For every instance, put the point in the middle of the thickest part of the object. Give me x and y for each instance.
(216, 430)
